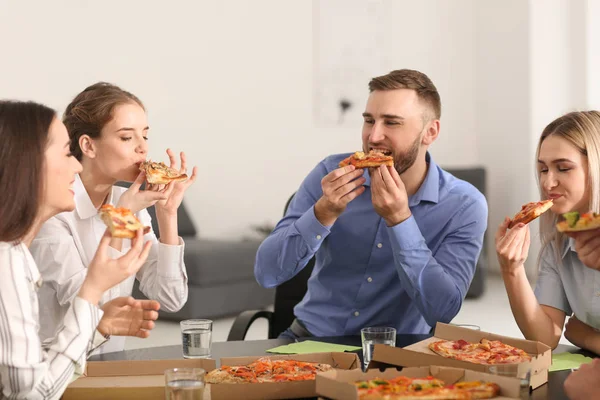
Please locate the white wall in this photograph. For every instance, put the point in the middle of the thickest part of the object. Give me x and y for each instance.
(230, 82)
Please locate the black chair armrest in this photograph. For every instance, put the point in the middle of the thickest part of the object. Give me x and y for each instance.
(244, 320)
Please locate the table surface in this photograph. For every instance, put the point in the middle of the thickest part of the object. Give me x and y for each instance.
(553, 390)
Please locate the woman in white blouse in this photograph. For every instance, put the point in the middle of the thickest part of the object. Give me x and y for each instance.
(109, 132)
(36, 174)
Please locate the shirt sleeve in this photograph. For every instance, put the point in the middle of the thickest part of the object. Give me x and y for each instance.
(29, 369)
(58, 260)
(296, 238)
(549, 288)
(438, 281)
(163, 276)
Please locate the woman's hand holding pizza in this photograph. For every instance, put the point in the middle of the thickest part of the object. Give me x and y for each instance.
(340, 187)
(587, 246)
(512, 246)
(389, 196)
(136, 199)
(174, 191)
(104, 272)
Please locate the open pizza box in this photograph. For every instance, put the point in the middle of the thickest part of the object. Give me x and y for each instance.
(129, 380)
(340, 385)
(419, 354)
(279, 390)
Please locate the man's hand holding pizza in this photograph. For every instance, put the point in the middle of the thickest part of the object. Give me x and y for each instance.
(389, 196)
(340, 187)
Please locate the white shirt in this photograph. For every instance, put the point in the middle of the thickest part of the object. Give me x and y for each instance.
(29, 368)
(569, 286)
(66, 245)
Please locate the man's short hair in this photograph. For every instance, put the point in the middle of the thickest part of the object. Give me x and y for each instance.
(411, 79)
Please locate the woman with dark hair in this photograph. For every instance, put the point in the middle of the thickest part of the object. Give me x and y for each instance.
(108, 128)
(37, 171)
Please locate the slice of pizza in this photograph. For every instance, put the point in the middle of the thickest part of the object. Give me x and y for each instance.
(157, 173)
(121, 222)
(530, 211)
(487, 352)
(574, 222)
(374, 158)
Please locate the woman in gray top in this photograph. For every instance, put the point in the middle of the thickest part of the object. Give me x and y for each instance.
(568, 166)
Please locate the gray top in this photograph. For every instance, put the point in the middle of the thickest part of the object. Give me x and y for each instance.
(571, 287)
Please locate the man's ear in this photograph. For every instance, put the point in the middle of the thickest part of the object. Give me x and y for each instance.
(87, 146)
(432, 130)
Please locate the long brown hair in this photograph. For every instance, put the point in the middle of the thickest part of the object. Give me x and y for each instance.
(91, 109)
(24, 130)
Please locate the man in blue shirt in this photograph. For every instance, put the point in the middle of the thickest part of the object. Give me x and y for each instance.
(394, 246)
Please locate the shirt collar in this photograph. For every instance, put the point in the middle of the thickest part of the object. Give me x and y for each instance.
(83, 204)
(569, 245)
(429, 189)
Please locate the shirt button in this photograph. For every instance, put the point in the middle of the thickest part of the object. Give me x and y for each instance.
(318, 237)
(379, 245)
(356, 313)
(369, 279)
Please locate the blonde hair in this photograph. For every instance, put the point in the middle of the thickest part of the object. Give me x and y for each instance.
(582, 130)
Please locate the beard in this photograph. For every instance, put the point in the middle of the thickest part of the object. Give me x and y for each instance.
(404, 161)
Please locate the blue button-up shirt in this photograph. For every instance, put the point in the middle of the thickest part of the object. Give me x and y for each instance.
(408, 276)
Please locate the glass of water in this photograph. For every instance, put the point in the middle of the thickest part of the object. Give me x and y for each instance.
(196, 338)
(375, 335)
(184, 383)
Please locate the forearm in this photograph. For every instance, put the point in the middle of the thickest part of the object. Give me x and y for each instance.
(168, 226)
(433, 290)
(584, 336)
(533, 322)
(288, 249)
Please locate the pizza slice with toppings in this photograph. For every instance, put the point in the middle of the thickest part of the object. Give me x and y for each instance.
(374, 158)
(157, 173)
(575, 222)
(121, 222)
(530, 211)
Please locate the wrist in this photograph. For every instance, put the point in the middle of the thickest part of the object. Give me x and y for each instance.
(398, 218)
(90, 293)
(323, 215)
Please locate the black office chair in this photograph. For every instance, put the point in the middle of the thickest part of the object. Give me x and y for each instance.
(290, 293)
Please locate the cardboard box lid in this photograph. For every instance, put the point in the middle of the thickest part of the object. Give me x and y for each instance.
(278, 390)
(144, 367)
(419, 354)
(138, 379)
(340, 384)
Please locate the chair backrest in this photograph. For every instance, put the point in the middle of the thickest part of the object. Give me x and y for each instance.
(287, 295)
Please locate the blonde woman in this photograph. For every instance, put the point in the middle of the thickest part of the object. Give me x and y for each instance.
(568, 166)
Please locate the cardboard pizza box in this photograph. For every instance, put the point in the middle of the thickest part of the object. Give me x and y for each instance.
(279, 390)
(132, 380)
(419, 354)
(339, 385)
